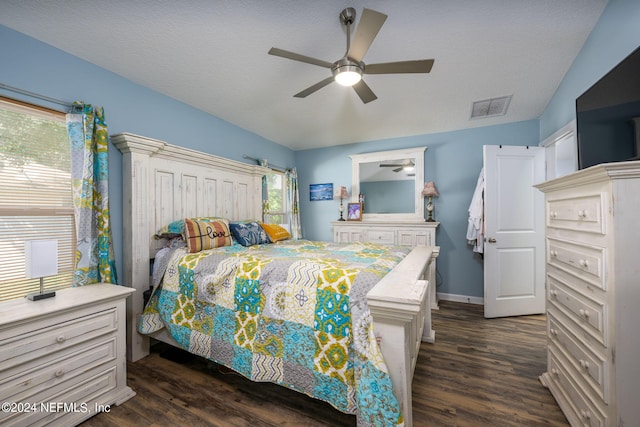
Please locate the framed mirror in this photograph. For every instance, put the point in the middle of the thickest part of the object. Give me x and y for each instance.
(388, 183)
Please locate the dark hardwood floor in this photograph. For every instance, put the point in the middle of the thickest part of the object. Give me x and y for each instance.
(480, 372)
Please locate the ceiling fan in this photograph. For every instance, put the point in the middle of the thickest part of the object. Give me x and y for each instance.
(349, 69)
(408, 166)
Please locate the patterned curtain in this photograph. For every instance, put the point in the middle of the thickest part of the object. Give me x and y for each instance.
(293, 202)
(89, 174)
(265, 199)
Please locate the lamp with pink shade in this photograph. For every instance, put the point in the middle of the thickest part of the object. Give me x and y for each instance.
(342, 194)
(430, 191)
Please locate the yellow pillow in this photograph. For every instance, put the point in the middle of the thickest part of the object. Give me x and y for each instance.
(201, 235)
(276, 232)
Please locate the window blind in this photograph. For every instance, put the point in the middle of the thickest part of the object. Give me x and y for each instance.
(35, 194)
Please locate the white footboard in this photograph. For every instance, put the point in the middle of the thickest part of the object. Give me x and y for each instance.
(401, 309)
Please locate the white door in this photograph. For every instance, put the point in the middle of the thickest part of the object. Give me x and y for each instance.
(514, 253)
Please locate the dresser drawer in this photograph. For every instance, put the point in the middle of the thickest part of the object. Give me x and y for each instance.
(593, 368)
(583, 410)
(386, 237)
(81, 395)
(40, 338)
(583, 261)
(414, 238)
(588, 314)
(21, 382)
(577, 213)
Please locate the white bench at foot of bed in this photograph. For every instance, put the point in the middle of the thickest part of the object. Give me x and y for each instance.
(401, 309)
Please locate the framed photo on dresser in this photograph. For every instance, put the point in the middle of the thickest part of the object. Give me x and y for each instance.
(354, 212)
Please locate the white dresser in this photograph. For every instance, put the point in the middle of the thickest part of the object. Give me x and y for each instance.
(399, 233)
(62, 360)
(593, 294)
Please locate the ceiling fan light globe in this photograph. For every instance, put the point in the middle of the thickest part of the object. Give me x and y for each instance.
(347, 75)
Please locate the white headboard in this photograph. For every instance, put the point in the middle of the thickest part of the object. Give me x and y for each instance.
(162, 183)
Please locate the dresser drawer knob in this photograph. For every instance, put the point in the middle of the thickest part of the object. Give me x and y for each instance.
(555, 372)
(582, 214)
(554, 253)
(584, 364)
(553, 214)
(584, 313)
(61, 339)
(59, 373)
(585, 414)
(584, 263)
(554, 332)
(553, 293)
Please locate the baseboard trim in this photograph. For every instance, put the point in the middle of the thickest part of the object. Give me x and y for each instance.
(460, 298)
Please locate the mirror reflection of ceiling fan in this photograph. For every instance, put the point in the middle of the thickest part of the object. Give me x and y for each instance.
(349, 69)
(407, 165)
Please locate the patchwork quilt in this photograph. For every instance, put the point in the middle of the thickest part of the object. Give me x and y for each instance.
(293, 313)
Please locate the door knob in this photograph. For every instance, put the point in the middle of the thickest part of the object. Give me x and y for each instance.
(491, 240)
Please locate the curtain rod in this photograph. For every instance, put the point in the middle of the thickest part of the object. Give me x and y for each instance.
(265, 163)
(36, 95)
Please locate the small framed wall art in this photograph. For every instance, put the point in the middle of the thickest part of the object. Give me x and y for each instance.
(320, 192)
(354, 212)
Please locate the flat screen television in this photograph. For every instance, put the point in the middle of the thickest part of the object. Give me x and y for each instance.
(608, 116)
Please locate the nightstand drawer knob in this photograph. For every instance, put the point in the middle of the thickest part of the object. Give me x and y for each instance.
(59, 373)
(61, 339)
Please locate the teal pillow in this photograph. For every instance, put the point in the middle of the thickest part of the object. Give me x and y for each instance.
(174, 229)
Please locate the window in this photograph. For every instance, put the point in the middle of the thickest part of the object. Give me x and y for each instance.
(275, 210)
(35, 195)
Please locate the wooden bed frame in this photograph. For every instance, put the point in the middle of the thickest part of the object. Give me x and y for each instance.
(163, 182)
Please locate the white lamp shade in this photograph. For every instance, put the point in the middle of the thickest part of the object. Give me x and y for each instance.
(41, 258)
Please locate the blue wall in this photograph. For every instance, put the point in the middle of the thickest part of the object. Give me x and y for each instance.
(615, 36)
(453, 160)
(37, 67)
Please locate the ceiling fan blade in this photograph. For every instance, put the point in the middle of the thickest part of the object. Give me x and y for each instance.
(308, 91)
(419, 66)
(297, 57)
(398, 169)
(364, 92)
(389, 166)
(367, 30)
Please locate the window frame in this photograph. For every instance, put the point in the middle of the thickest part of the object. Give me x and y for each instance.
(283, 194)
(62, 220)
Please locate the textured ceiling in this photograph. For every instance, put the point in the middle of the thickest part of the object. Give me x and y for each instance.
(212, 55)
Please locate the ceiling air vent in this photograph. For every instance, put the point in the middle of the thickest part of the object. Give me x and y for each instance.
(490, 107)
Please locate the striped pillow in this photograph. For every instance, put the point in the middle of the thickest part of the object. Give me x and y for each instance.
(203, 235)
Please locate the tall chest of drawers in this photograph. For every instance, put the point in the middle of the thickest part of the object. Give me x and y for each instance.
(593, 294)
(62, 359)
